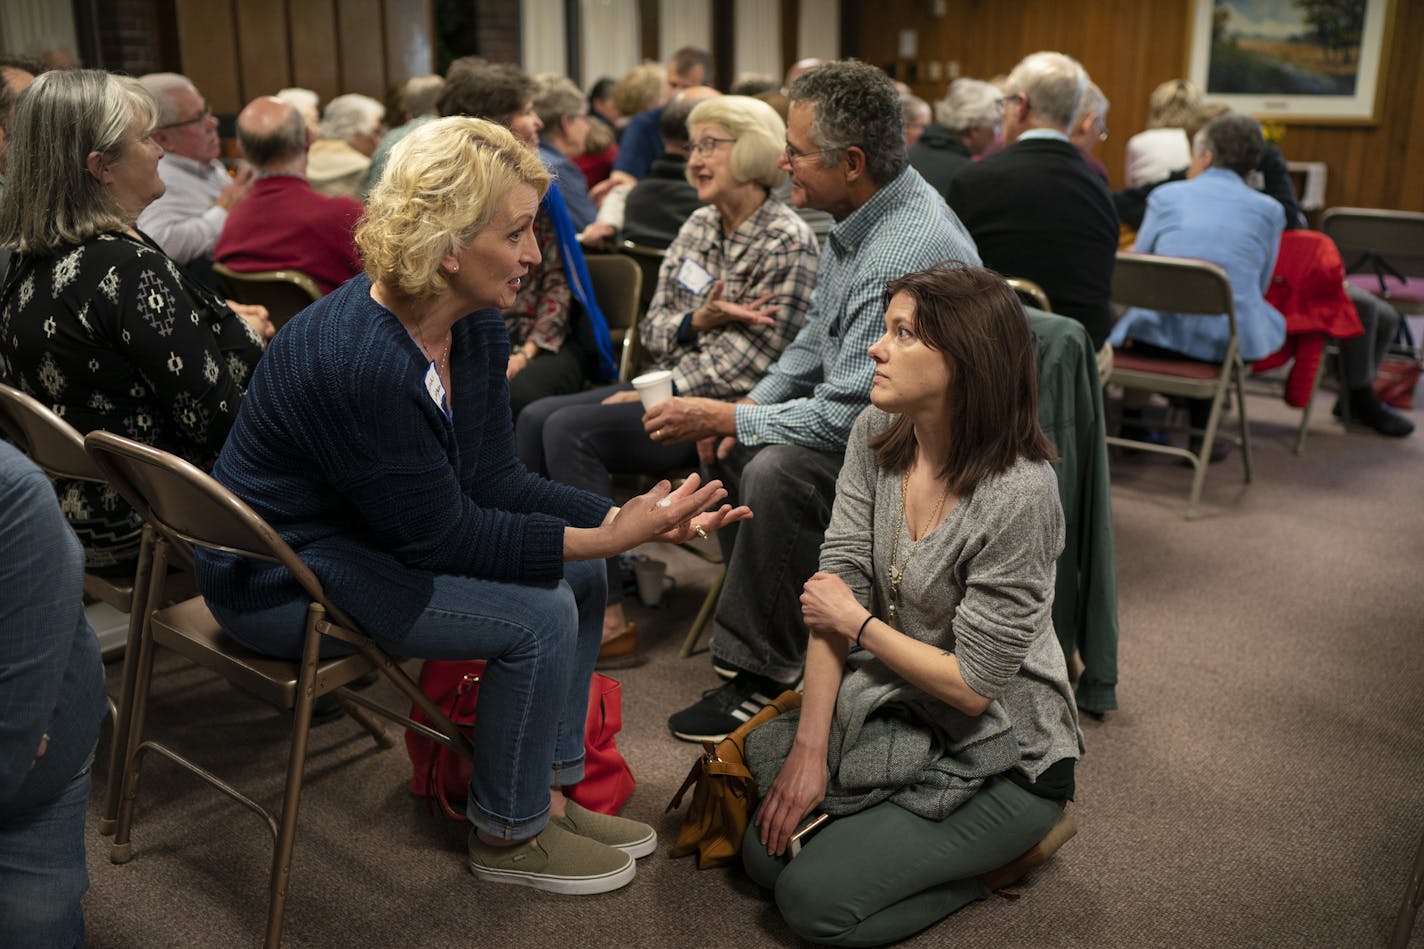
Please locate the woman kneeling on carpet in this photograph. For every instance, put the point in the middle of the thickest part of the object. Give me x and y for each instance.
(376, 438)
(938, 729)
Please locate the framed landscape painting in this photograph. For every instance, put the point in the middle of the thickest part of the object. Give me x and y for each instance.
(1292, 60)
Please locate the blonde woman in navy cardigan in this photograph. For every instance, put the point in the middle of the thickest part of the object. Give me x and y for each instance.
(376, 438)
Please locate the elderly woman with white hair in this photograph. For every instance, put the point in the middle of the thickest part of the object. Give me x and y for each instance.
(734, 287)
(563, 111)
(351, 128)
(95, 320)
(377, 440)
(966, 126)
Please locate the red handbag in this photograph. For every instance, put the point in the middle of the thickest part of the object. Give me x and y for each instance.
(444, 777)
(1397, 379)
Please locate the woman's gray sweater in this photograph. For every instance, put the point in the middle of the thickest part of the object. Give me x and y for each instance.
(981, 587)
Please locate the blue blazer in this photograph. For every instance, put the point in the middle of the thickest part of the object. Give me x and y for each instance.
(1215, 216)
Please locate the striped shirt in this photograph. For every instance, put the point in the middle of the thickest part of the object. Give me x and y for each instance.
(814, 392)
(773, 251)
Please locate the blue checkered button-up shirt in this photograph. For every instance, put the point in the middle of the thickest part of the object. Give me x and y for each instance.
(814, 392)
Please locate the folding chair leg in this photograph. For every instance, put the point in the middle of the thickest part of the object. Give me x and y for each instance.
(292, 796)
(1240, 375)
(133, 716)
(366, 720)
(1309, 405)
(709, 604)
(118, 744)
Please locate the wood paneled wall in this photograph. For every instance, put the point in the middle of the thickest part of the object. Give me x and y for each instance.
(236, 50)
(1130, 46)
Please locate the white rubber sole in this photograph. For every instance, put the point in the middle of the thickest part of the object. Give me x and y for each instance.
(567, 886)
(640, 848)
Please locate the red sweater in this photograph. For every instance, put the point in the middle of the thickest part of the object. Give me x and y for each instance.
(284, 225)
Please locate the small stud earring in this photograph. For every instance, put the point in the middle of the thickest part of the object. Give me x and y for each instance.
(454, 268)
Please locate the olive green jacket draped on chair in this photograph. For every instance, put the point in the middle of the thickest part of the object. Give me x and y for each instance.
(1071, 412)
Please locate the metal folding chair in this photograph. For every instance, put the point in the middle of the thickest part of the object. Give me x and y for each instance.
(618, 286)
(284, 293)
(187, 508)
(1187, 289)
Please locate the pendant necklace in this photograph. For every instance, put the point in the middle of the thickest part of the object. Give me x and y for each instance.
(897, 569)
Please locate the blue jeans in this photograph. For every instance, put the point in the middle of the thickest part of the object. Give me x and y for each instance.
(42, 872)
(541, 641)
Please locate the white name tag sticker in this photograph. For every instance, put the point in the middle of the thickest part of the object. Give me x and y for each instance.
(694, 276)
(435, 387)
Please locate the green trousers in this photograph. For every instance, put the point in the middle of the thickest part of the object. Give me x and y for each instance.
(884, 874)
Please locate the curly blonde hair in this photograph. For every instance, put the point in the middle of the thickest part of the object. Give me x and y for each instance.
(442, 184)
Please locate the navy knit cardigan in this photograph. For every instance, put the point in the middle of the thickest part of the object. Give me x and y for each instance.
(339, 446)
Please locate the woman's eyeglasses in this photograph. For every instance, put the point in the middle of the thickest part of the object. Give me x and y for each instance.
(708, 145)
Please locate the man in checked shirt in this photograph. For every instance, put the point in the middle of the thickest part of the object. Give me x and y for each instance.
(779, 450)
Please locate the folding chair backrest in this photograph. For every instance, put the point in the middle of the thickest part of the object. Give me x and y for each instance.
(188, 505)
(650, 261)
(1395, 237)
(617, 286)
(284, 293)
(50, 441)
(1172, 284)
(1029, 293)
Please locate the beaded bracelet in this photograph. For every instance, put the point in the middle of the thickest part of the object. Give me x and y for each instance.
(861, 632)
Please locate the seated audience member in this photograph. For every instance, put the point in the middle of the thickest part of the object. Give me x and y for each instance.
(602, 107)
(197, 193)
(641, 88)
(563, 132)
(1164, 147)
(642, 142)
(15, 78)
(52, 697)
(968, 125)
(1214, 216)
(307, 103)
(351, 128)
(376, 440)
(781, 445)
(652, 211)
(916, 114)
(1035, 209)
(754, 85)
(418, 96)
(95, 321)
(284, 224)
(733, 290)
(600, 150)
(932, 649)
(557, 336)
(1090, 127)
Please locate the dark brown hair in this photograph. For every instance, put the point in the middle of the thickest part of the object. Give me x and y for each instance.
(493, 91)
(972, 317)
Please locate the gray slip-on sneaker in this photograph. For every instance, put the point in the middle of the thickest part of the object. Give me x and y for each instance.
(634, 838)
(555, 861)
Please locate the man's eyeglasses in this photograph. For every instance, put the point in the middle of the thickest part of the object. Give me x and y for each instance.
(794, 154)
(708, 145)
(1003, 101)
(205, 114)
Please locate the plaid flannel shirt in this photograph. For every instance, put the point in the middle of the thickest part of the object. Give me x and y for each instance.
(814, 392)
(773, 251)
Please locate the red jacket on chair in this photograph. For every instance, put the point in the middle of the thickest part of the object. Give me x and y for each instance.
(1308, 287)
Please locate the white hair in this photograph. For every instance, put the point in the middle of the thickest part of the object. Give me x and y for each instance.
(969, 104)
(1054, 84)
(349, 115)
(162, 86)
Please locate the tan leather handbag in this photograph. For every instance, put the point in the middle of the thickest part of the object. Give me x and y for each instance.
(724, 794)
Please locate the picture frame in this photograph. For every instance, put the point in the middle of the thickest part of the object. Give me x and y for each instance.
(1292, 61)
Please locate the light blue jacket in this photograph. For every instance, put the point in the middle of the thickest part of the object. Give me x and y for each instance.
(1215, 216)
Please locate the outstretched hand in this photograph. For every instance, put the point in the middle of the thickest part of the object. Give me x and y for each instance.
(669, 514)
(718, 311)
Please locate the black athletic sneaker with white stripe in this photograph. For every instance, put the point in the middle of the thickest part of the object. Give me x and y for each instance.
(724, 708)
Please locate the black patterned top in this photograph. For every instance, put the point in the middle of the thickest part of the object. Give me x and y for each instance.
(111, 335)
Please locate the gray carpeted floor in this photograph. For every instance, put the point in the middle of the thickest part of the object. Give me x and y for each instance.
(1261, 785)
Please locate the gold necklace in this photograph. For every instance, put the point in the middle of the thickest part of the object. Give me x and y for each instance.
(442, 365)
(897, 570)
